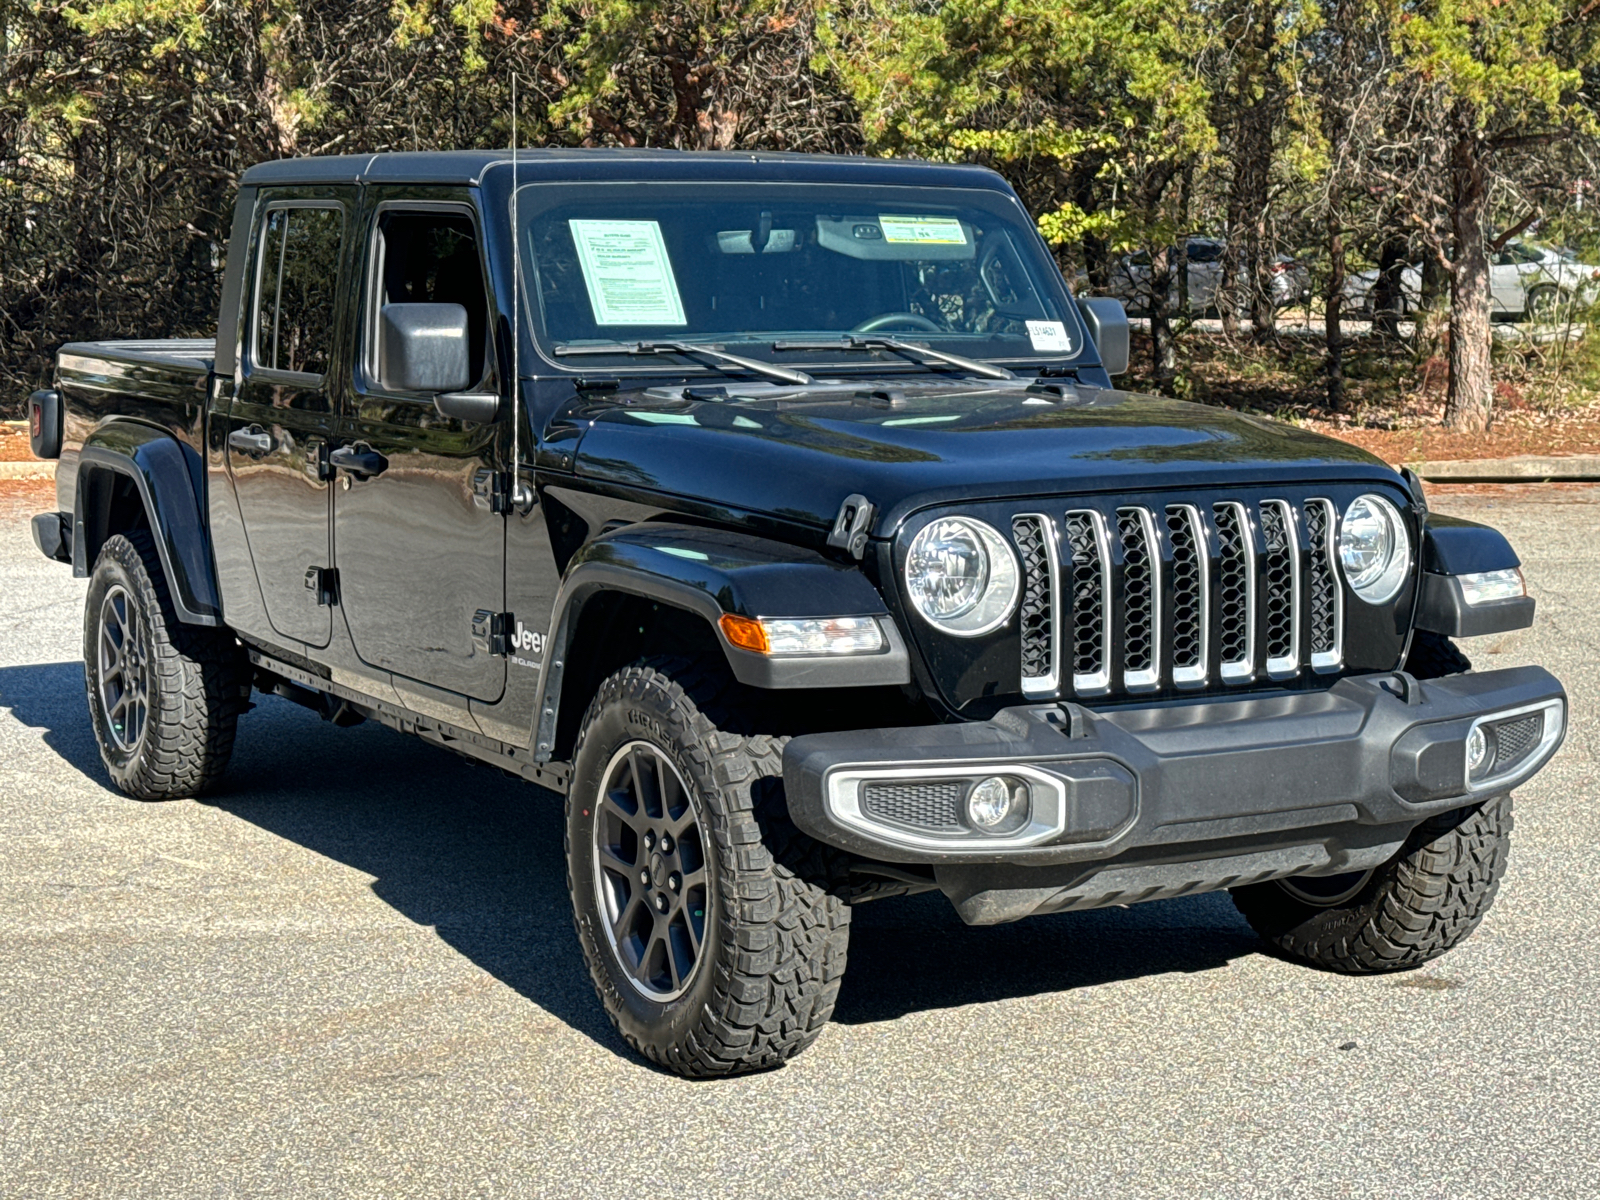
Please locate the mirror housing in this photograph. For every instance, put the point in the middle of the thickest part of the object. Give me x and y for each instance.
(475, 408)
(1108, 328)
(422, 348)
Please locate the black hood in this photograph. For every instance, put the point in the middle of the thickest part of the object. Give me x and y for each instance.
(795, 454)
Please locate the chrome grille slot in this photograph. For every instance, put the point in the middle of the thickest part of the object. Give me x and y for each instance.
(1090, 567)
(1280, 588)
(1141, 603)
(1236, 598)
(1191, 599)
(1325, 598)
(1039, 611)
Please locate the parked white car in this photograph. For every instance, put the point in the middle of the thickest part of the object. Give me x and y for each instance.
(1525, 281)
(1130, 279)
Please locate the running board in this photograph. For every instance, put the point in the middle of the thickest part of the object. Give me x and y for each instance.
(515, 760)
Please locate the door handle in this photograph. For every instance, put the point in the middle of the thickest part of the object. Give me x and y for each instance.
(251, 440)
(361, 461)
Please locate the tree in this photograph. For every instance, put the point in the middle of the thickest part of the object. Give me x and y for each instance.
(1505, 75)
(1091, 109)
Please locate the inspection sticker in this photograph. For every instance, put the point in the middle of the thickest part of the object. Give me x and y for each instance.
(628, 274)
(1049, 337)
(932, 231)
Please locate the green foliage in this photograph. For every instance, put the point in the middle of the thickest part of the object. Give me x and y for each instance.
(1072, 98)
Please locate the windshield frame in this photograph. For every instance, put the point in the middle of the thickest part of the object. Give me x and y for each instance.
(539, 196)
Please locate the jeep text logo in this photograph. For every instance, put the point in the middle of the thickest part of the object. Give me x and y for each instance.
(527, 640)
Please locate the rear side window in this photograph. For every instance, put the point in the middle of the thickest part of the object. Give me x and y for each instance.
(296, 280)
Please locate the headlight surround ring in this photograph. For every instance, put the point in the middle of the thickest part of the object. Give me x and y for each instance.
(962, 577)
(1374, 549)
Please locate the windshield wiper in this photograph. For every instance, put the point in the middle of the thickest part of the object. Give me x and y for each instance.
(875, 341)
(770, 370)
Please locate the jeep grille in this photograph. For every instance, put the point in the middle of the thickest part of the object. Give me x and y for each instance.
(1187, 596)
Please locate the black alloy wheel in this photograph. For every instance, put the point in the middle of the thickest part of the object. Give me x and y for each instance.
(122, 672)
(651, 883)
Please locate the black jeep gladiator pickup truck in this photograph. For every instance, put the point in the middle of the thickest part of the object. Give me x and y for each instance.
(780, 512)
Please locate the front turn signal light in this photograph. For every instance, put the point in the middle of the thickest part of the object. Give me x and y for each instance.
(785, 637)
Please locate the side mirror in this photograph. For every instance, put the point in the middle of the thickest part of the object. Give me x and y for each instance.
(1108, 328)
(423, 348)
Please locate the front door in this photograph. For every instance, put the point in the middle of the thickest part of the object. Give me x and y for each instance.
(419, 547)
(282, 417)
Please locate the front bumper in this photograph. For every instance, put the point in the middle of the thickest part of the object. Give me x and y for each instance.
(1140, 803)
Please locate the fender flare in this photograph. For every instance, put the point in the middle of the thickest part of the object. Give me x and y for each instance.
(1451, 547)
(159, 466)
(710, 572)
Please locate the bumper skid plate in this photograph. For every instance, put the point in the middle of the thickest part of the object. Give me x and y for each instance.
(1144, 803)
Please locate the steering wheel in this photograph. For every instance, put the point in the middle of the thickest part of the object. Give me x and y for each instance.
(890, 320)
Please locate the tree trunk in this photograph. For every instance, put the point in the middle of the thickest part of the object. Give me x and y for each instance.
(1334, 302)
(1388, 291)
(1163, 354)
(1470, 396)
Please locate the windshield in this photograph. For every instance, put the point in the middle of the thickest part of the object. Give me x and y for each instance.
(795, 274)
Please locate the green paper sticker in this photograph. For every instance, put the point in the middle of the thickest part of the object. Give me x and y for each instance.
(628, 274)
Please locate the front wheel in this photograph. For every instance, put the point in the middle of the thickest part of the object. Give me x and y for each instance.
(1419, 904)
(711, 956)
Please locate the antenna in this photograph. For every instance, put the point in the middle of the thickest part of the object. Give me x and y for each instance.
(521, 495)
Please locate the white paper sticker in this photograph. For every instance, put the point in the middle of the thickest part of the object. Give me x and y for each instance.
(1049, 337)
(931, 231)
(628, 274)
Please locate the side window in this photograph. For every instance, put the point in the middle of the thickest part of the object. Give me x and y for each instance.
(430, 258)
(296, 280)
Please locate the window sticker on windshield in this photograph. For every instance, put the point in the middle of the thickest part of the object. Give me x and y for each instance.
(628, 274)
(1049, 337)
(933, 231)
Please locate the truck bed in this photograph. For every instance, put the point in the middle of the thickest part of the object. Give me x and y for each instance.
(188, 356)
(155, 381)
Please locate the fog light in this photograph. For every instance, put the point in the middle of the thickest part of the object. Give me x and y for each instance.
(998, 804)
(1477, 750)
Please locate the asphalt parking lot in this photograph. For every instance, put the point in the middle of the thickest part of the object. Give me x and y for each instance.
(352, 972)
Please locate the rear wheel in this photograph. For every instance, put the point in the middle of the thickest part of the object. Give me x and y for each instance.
(164, 697)
(711, 953)
(1409, 911)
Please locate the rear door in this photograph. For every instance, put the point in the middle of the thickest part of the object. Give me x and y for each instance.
(283, 412)
(419, 546)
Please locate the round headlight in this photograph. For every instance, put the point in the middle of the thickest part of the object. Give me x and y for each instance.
(961, 576)
(1374, 549)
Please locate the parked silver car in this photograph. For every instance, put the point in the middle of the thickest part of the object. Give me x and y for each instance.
(1130, 279)
(1525, 281)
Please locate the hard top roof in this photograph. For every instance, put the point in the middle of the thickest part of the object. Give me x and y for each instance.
(552, 165)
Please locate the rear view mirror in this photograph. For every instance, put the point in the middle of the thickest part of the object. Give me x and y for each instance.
(422, 348)
(1108, 329)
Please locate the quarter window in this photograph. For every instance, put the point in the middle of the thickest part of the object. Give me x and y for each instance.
(298, 275)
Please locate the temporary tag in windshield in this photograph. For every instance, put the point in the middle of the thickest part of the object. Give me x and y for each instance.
(931, 231)
(1049, 337)
(628, 274)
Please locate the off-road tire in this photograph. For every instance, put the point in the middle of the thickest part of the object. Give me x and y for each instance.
(1418, 905)
(775, 942)
(1433, 656)
(197, 681)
